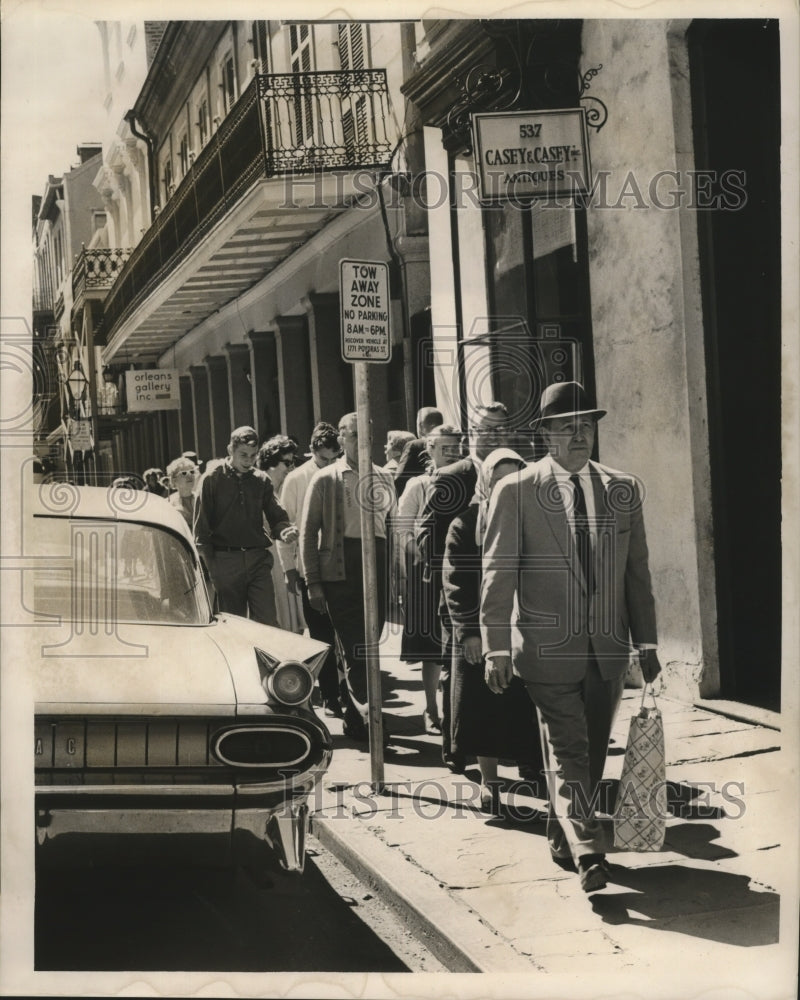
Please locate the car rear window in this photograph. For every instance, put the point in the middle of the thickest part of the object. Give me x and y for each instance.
(114, 571)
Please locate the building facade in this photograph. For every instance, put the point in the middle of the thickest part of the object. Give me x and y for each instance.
(249, 157)
(68, 217)
(659, 288)
(269, 149)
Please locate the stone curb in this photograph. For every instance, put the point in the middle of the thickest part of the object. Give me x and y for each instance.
(451, 930)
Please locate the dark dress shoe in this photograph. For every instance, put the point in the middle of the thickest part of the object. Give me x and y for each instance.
(455, 764)
(356, 731)
(592, 869)
(333, 710)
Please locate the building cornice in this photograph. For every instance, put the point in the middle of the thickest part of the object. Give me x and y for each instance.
(184, 51)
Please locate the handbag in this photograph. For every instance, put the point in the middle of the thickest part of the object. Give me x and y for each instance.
(640, 815)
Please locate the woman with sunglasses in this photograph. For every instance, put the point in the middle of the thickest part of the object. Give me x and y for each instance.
(183, 475)
(277, 457)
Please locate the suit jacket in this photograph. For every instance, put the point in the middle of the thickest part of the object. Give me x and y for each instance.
(534, 600)
(451, 490)
(461, 575)
(413, 461)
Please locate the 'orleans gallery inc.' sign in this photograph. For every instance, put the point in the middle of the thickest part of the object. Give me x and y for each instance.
(152, 389)
(532, 154)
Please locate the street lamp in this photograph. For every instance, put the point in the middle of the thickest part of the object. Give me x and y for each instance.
(77, 383)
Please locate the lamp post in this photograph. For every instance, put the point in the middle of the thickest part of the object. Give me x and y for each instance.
(77, 383)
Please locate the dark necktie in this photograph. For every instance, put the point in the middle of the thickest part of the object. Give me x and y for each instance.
(583, 537)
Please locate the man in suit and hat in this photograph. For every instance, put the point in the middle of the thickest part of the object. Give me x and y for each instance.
(566, 599)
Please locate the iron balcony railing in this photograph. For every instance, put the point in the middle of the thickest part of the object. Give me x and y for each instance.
(325, 121)
(283, 123)
(97, 269)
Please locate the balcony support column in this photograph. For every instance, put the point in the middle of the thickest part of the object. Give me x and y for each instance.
(202, 419)
(172, 422)
(240, 390)
(379, 409)
(146, 442)
(187, 441)
(264, 378)
(157, 430)
(122, 443)
(294, 376)
(159, 440)
(331, 377)
(219, 402)
(414, 257)
(136, 450)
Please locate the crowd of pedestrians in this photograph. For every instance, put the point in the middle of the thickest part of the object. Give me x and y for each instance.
(500, 570)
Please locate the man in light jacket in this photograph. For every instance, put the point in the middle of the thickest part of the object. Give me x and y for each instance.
(330, 548)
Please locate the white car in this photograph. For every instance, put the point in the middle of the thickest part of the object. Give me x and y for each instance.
(160, 728)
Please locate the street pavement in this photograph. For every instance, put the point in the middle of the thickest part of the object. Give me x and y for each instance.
(701, 916)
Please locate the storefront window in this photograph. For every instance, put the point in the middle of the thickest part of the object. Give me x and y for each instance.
(538, 297)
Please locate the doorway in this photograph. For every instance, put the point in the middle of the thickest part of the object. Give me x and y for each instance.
(735, 74)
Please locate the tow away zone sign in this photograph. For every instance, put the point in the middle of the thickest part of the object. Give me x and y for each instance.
(366, 310)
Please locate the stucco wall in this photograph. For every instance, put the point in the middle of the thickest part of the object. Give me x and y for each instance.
(645, 312)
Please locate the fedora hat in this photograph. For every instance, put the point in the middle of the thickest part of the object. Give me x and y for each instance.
(566, 399)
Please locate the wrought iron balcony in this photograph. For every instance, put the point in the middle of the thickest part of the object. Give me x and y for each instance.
(97, 269)
(282, 124)
(325, 121)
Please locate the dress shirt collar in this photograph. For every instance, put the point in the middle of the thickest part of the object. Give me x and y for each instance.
(562, 477)
(560, 472)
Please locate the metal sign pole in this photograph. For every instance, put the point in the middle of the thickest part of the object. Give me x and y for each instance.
(367, 339)
(367, 499)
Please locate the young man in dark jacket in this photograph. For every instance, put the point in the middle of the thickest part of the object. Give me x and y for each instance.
(235, 505)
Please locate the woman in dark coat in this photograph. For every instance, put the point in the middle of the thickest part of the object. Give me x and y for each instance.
(483, 724)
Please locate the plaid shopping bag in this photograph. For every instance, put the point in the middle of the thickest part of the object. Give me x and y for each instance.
(640, 815)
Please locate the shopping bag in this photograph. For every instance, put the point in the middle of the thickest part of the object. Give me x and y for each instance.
(640, 816)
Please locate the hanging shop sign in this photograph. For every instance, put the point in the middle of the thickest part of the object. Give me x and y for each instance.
(152, 389)
(79, 434)
(366, 310)
(532, 154)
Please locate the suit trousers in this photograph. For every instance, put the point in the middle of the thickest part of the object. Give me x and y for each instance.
(321, 627)
(242, 579)
(345, 600)
(575, 721)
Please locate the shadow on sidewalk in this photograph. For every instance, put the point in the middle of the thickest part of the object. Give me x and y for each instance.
(713, 905)
(694, 840)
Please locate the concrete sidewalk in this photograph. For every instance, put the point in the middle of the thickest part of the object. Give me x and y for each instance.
(486, 897)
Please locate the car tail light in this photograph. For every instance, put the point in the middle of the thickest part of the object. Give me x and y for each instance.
(290, 683)
(254, 746)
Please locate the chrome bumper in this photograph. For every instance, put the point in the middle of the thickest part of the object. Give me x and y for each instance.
(208, 824)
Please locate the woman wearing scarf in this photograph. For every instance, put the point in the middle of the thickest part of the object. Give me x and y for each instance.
(485, 725)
